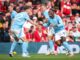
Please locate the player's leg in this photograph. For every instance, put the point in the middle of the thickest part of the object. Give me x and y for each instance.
(25, 29)
(13, 45)
(24, 44)
(24, 49)
(51, 45)
(65, 43)
(51, 39)
(57, 41)
(12, 48)
(67, 46)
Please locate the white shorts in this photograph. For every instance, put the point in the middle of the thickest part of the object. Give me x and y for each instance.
(60, 34)
(18, 32)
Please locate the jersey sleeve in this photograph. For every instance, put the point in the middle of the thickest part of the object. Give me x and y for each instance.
(59, 20)
(14, 13)
(26, 16)
(46, 15)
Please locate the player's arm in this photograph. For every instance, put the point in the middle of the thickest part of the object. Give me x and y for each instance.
(32, 22)
(29, 20)
(59, 20)
(46, 15)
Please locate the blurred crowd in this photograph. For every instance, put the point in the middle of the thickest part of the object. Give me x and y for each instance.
(68, 10)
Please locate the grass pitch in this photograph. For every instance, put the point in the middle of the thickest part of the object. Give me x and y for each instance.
(40, 57)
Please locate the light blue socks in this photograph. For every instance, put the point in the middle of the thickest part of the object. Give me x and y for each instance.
(66, 45)
(51, 45)
(13, 46)
(24, 47)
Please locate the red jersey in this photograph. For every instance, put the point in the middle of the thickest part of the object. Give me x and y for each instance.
(67, 8)
(28, 36)
(38, 36)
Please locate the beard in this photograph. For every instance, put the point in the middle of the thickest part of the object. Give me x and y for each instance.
(52, 17)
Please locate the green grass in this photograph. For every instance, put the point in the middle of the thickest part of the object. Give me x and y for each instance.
(40, 57)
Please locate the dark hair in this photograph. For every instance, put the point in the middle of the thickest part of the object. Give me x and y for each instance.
(27, 7)
(52, 9)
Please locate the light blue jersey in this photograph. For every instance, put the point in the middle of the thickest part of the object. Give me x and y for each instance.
(13, 14)
(46, 14)
(56, 21)
(19, 20)
(17, 32)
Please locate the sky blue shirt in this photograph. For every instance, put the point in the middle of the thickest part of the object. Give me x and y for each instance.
(19, 20)
(13, 14)
(46, 14)
(56, 21)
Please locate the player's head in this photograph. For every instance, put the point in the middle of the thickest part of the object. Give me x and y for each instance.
(28, 9)
(51, 13)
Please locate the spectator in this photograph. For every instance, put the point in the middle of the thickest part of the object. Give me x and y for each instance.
(21, 6)
(39, 35)
(28, 3)
(77, 18)
(74, 8)
(66, 8)
(75, 34)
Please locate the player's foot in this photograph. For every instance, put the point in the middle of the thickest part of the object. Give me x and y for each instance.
(71, 55)
(67, 53)
(10, 54)
(55, 53)
(47, 53)
(25, 55)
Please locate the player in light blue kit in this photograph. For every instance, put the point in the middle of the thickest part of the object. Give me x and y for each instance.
(17, 30)
(50, 34)
(59, 29)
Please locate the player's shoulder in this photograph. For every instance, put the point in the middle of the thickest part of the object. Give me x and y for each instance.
(23, 13)
(57, 16)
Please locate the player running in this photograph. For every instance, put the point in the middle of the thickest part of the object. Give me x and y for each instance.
(50, 34)
(59, 29)
(17, 30)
